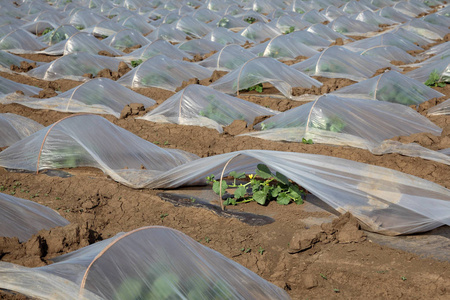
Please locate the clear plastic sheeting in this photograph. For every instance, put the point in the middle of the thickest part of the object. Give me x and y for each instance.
(441, 67)
(264, 69)
(410, 9)
(84, 18)
(97, 96)
(347, 26)
(203, 106)
(199, 46)
(138, 23)
(20, 41)
(168, 33)
(227, 59)
(224, 36)
(345, 121)
(58, 34)
(258, 32)
(163, 72)
(38, 27)
(92, 141)
(326, 32)
(158, 47)
(80, 42)
(391, 87)
(411, 36)
(393, 14)
(389, 54)
(385, 201)
(332, 13)
(125, 39)
(22, 218)
(13, 128)
(287, 23)
(370, 17)
(426, 29)
(229, 22)
(338, 62)
(192, 27)
(74, 66)
(353, 7)
(152, 262)
(284, 47)
(440, 109)
(8, 86)
(386, 39)
(104, 28)
(8, 59)
(438, 20)
(310, 39)
(314, 17)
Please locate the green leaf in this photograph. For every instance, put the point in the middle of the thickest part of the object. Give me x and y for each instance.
(281, 178)
(276, 191)
(260, 197)
(216, 187)
(305, 141)
(263, 171)
(283, 199)
(240, 192)
(236, 175)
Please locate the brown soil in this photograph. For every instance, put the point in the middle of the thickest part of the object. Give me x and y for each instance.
(329, 85)
(199, 57)
(331, 261)
(131, 49)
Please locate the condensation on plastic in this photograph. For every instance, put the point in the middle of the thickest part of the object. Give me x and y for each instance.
(192, 27)
(388, 53)
(158, 47)
(370, 17)
(264, 69)
(440, 109)
(347, 26)
(20, 41)
(8, 59)
(258, 32)
(22, 218)
(199, 46)
(203, 106)
(74, 66)
(345, 121)
(163, 72)
(326, 32)
(384, 200)
(426, 29)
(152, 262)
(338, 62)
(224, 36)
(168, 33)
(284, 47)
(96, 96)
(90, 140)
(14, 128)
(80, 42)
(386, 39)
(227, 59)
(442, 67)
(393, 14)
(58, 34)
(391, 87)
(125, 39)
(8, 86)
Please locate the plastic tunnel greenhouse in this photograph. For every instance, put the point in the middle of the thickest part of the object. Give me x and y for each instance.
(14, 127)
(22, 218)
(147, 263)
(204, 106)
(264, 69)
(228, 58)
(391, 87)
(158, 47)
(99, 95)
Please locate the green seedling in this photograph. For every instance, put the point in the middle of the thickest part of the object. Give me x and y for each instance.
(290, 30)
(433, 80)
(207, 239)
(305, 141)
(323, 276)
(162, 216)
(403, 278)
(261, 250)
(135, 63)
(257, 87)
(250, 20)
